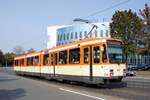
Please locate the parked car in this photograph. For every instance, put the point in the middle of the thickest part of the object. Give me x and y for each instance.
(130, 73)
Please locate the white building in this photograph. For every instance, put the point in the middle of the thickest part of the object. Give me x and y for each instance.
(52, 32)
(58, 35)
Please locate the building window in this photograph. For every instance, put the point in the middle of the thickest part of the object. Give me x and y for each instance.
(96, 55)
(101, 33)
(63, 57)
(95, 33)
(57, 37)
(46, 59)
(80, 35)
(74, 56)
(68, 36)
(90, 34)
(64, 37)
(85, 34)
(72, 35)
(76, 35)
(106, 33)
(86, 55)
(60, 37)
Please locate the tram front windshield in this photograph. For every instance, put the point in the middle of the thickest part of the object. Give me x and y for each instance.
(115, 53)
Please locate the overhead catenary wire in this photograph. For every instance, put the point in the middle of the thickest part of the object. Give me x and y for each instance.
(108, 8)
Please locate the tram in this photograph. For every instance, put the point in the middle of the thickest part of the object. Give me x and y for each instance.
(92, 60)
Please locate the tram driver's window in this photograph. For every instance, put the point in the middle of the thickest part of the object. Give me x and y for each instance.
(74, 56)
(86, 56)
(96, 55)
(104, 56)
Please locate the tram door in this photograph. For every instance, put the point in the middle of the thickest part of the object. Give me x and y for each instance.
(54, 62)
(87, 59)
(91, 56)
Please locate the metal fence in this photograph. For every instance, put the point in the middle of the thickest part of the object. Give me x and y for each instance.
(138, 60)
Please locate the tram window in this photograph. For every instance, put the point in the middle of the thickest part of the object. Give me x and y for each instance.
(22, 62)
(28, 61)
(35, 60)
(16, 62)
(74, 56)
(55, 58)
(96, 55)
(52, 59)
(46, 59)
(86, 55)
(104, 56)
(63, 57)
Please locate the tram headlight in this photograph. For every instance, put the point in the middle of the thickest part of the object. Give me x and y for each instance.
(111, 72)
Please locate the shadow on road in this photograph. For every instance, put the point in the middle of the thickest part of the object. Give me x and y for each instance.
(8, 80)
(11, 94)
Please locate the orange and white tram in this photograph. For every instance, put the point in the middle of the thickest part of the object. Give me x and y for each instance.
(92, 60)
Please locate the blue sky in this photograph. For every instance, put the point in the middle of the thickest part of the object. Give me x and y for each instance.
(24, 22)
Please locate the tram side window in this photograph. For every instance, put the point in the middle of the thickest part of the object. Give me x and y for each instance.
(74, 56)
(35, 60)
(16, 62)
(28, 61)
(46, 59)
(104, 56)
(63, 57)
(96, 55)
(52, 59)
(22, 62)
(56, 58)
(86, 55)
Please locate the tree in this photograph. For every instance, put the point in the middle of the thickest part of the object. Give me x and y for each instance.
(9, 58)
(2, 59)
(18, 50)
(145, 34)
(126, 25)
(31, 50)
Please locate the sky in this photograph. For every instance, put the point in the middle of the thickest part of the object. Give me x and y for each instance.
(24, 22)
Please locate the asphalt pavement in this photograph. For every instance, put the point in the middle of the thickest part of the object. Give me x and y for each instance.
(13, 87)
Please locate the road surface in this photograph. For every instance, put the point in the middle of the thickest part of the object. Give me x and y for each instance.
(13, 87)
